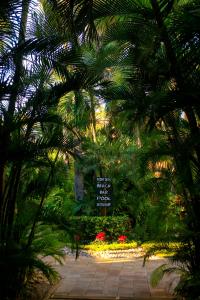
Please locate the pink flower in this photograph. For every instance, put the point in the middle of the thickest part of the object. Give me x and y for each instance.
(101, 236)
(122, 238)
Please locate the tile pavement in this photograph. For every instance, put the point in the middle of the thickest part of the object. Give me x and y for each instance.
(92, 278)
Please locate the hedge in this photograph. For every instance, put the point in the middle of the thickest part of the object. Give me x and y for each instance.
(88, 227)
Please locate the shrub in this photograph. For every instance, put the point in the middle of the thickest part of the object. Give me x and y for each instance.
(89, 227)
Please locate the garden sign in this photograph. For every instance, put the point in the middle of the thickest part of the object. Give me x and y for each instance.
(104, 188)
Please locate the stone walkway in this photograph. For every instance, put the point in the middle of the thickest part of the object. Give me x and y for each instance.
(98, 278)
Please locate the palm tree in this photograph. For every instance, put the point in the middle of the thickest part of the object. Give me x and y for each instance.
(30, 129)
(39, 70)
(161, 39)
(157, 48)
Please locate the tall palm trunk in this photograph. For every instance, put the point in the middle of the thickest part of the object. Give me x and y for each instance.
(32, 231)
(10, 202)
(78, 173)
(93, 117)
(5, 133)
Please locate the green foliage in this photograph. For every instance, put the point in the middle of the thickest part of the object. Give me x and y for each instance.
(148, 221)
(112, 246)
(147, 60)
(57, 206)
(160, 248)
(157, 275)
(188, 285)
(19, 262)
(89, 227)
(180, 263)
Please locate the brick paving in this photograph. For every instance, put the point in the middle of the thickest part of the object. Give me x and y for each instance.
(97, 278)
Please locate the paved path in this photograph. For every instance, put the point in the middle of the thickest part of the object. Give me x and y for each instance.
(92, 278)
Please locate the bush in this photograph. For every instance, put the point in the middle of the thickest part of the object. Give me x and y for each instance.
(89, 227)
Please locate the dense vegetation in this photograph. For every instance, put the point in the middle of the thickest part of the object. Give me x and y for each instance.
(98, 88)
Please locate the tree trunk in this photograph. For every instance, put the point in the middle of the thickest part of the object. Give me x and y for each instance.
(5, 129)
(93, 117)
(78, 182)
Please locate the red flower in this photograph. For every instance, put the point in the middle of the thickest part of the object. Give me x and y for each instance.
(77, 237)
(122, 238)
(101, 236)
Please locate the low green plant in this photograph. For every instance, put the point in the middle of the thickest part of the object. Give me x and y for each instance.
(160, 248)
(188, 285)
(20, 261)
(113, 246)
(180, 263)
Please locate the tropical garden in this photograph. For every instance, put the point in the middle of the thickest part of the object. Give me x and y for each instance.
(98, 89)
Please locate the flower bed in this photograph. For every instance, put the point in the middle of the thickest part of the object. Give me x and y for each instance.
(113, 246)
